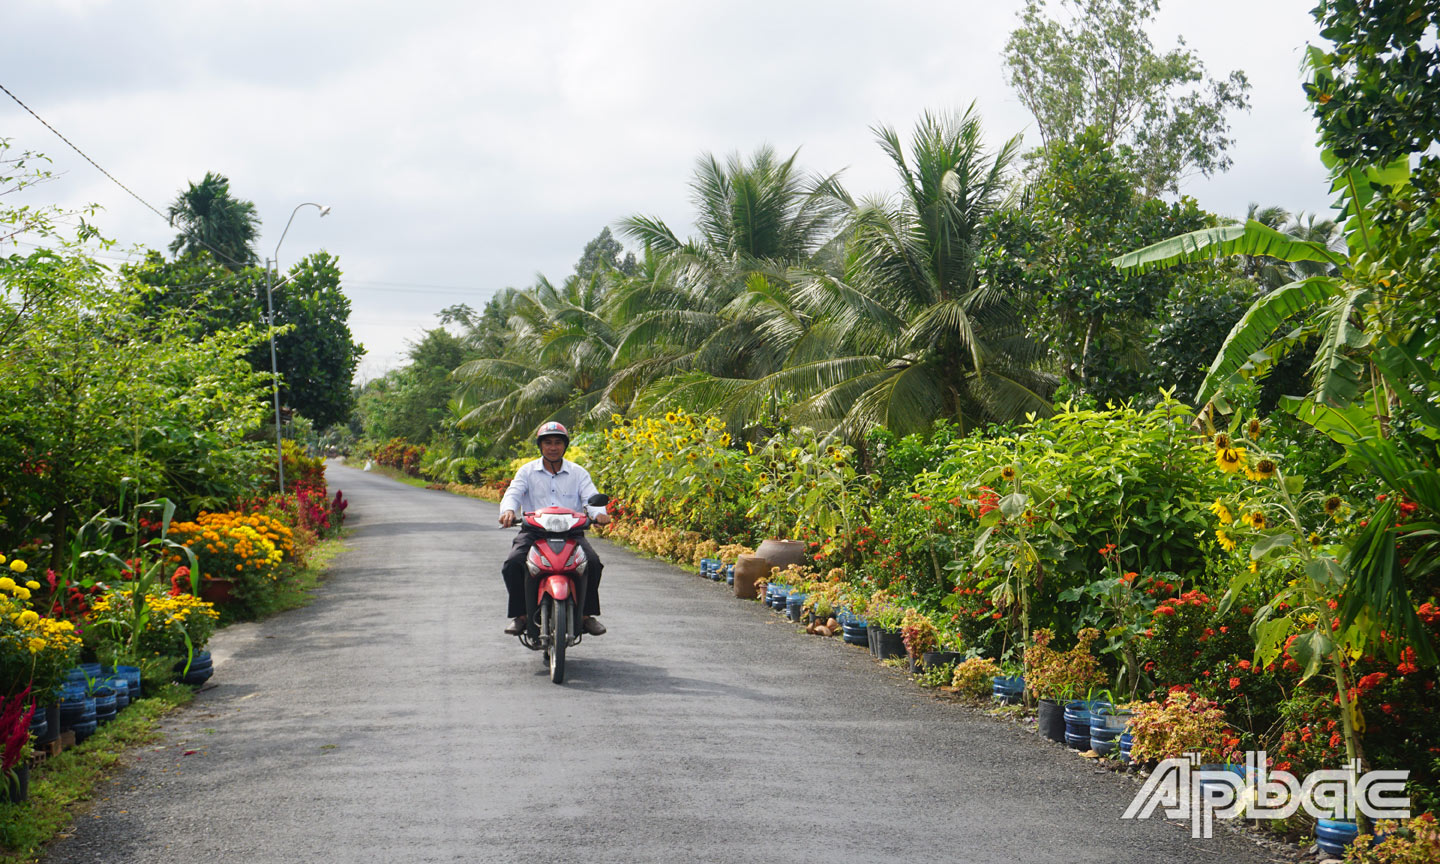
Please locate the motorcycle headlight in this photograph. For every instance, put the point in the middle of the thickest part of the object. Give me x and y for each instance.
(578, 560)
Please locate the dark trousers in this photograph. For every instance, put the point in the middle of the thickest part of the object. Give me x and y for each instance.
(514, 572)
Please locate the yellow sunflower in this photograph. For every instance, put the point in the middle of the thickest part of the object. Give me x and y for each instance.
(1230, 459)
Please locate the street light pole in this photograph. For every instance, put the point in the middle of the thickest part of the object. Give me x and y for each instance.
(270, 314)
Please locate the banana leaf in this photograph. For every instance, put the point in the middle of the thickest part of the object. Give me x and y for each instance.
(1252, 238)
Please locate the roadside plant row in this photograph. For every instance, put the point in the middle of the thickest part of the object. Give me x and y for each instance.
(1138, 554)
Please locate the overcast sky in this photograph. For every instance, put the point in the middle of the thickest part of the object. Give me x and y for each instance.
(467, 146)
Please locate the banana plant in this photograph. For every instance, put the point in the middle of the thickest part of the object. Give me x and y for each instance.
(1328, 305)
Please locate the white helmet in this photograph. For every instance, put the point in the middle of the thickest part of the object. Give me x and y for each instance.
(552, 428)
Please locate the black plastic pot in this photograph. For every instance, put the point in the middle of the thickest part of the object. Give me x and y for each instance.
(939, 658)
(889, 643)
(1051, 719)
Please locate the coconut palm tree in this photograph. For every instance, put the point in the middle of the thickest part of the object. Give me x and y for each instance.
(902, 331)
(555, 366)
(210, 219)
(717, 305)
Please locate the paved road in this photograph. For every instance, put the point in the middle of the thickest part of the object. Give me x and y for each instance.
(392, 721)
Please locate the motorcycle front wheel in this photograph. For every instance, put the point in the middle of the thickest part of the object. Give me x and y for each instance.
(562, 612)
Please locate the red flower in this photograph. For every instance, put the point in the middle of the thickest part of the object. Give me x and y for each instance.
(1234, 683)
(1164, 610)
(1244, 664)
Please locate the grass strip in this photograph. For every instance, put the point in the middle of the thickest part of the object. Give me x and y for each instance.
(61, 782)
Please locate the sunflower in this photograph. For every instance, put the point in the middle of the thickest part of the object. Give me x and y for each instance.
(1316, 539)
(1222, 512)
(1225, 540)
(1007, 474)
(1256, 520)
(1230, 459)
(1333, 505)
(1222, 441)
(1253, 430)
(1264, 470)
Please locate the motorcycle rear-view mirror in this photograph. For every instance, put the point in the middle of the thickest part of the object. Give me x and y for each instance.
(598, 500)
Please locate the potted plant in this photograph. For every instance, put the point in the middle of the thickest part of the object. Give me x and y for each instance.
(885, 617)
(975, 677)
(1058, 676)
(948, 650)
(918, 634)
(1183, 723)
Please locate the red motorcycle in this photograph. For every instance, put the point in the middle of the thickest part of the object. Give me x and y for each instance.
(555, 582)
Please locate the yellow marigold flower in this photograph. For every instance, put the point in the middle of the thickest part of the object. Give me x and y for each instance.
(2, 559)
(1230, 459)
(1225, 540)
(33, 585)
(1222, 512)
(1256, 520)
(18, 566)
(29, 618)
(6, 583)
(36, 645)
(22, 592)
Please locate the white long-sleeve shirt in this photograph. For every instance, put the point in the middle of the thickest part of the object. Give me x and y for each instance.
(534, 487)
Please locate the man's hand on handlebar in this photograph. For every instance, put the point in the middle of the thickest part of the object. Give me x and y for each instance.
(602, 519)
(507, 519)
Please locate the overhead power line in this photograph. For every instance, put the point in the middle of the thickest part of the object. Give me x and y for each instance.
(168, 221)
(83, 155)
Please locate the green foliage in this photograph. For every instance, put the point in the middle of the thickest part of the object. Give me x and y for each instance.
(213, 221)
(1100, 71)
(1087, 206)
(95, 392)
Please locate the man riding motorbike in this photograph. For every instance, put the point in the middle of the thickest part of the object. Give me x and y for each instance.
(550, 481)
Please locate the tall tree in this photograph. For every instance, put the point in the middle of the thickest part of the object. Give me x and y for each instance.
(1100, 70)
(903, 331)
(316, 352)
(603, 253)
(211, 219)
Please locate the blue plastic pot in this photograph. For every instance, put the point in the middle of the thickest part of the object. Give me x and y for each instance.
(122, 691)
(1007, 689)
(1125, 740)
(855, 630)
(105, 706)
(76, 709)
(1334, 836)
(201, 669)
(729, 574)
(131, 674)
(39, 725)
(795, 605)
(1077, 723)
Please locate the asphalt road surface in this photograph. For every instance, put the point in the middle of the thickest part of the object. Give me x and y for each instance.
(392, 721)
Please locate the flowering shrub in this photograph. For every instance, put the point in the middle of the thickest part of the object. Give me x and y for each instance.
(1183, 723)
(975, 677)
(245, 548)
(176, 624)
(35, 650)
(400, 454)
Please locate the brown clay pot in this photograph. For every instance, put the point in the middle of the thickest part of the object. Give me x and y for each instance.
(782, 553)
(217, 591)
(749, 568)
